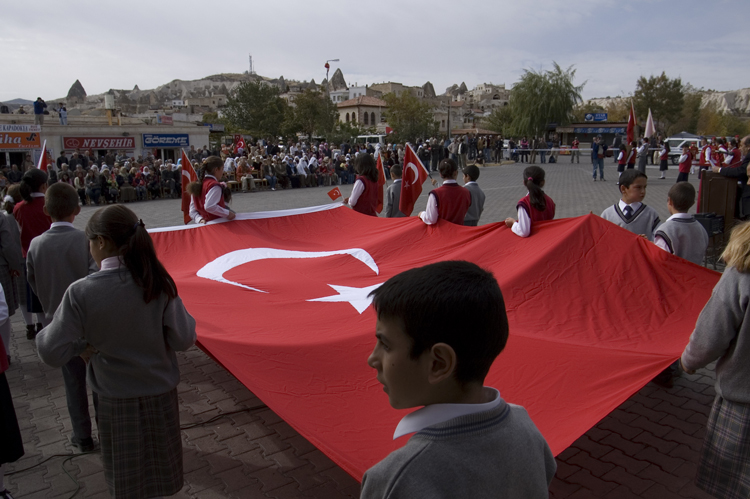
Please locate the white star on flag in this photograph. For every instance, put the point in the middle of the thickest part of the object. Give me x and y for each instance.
(357, 297)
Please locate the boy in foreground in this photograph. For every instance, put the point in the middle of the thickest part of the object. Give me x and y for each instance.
(467, 441)
(630, 212)
(682, 234)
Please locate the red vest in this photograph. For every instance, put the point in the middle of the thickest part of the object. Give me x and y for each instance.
(624, 158)
(208, 183)
(631, 156)
(32, 220)
(685, 165)
(702, 159)
(736, 158)
(534, 214)
(453, 202)
(664, 156)
(368, 200)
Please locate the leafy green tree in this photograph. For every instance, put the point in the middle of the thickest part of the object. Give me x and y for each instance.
(544, 97)
(499, 120)
(409, 117)
(313, 113)
(664, 96)
(344, 132)
(255, 109)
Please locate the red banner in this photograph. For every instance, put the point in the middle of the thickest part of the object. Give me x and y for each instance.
(595, 312)
(99, 142)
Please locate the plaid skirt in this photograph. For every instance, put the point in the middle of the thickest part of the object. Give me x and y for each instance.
(724, 468)
(141, 445)
(11, 445)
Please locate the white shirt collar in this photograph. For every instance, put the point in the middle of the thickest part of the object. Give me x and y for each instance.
(397, 180)
(431, 415)
(449, 181)
(634, 206)
(470, 182)
(37, 194)
(680, 215)
(61, 224)
(113, 262)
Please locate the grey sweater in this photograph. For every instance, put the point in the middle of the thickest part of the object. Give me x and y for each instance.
(477, 202)
(685, 237)
(723, 332)
(55, 260)
(496, 453)
(136, 340)
(644, 221)
(392, 199)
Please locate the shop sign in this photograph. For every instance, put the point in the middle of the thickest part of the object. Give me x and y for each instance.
(99, 142)
(166, 140)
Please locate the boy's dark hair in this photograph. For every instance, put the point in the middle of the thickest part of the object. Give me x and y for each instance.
(364, 165)
(31, 182)
(533, 178)
(472, 171)
(424, 301)
(628, 177)
(447, 168)
(60, 200)
(682, 195)
(397, 171)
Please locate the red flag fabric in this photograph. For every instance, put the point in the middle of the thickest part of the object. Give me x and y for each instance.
(188, 175)
(44, 158)
(334, 193)
(381, 183)
(631, 125)
(413, 176)
(595, 313)
(239, 142)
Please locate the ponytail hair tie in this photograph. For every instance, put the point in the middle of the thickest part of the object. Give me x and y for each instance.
(530, 179)
(139, 222)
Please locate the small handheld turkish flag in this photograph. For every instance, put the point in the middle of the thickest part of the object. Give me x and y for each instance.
(413, 176)
(44, 158)
(630, 131)
(334, 193)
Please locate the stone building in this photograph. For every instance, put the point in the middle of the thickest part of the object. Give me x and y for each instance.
(364, 110)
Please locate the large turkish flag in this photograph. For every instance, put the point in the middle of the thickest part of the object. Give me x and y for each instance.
(281, 301)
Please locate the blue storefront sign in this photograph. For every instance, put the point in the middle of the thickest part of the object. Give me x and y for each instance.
(214, 127)
(596, 117)
(165, 140)
(599, 130)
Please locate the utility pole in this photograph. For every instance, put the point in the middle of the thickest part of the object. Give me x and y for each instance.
(252, 70)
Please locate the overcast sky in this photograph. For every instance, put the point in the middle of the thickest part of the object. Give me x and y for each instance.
(46, 46)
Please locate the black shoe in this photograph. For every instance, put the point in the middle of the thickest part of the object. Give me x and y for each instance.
(30, 331)
(83, 444)
(39, 327)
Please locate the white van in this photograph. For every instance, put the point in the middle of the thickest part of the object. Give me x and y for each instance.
(675, 146)
(371, 139)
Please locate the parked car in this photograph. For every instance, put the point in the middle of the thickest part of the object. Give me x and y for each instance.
(675, 146)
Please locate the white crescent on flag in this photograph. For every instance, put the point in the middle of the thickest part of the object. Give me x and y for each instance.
(413, 168)
(357, 297)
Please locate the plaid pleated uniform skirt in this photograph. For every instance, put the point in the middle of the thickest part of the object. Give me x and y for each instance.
(724, 468)
(141, 445)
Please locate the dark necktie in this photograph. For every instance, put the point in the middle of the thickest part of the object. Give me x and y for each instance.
(628, 211)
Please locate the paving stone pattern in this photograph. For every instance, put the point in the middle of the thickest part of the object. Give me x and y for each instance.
(648, 447)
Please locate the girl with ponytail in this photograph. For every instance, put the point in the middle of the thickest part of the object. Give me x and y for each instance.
(32, 221)
(535, 206)
(208, 196)
(132, 366)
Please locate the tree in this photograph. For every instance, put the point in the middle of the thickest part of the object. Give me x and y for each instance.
(255, 109)
(581, 110)
(665, 98)
(499, 120)
(313, 112)
(544, 97)
(409, 117)
(688, 120)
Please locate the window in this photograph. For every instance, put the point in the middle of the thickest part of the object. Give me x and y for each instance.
(442, 124)
(347, 117)
(354, 117)
(372, 118)
(367, 119)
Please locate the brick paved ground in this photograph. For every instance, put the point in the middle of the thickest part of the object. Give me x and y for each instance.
(648, 447)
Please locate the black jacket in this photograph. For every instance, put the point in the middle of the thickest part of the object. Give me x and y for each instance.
(740, 173)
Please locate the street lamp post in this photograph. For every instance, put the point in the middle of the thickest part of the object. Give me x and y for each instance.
(328, 66)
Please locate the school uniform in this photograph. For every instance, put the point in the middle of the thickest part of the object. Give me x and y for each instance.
(684, 236)
(135, 374)
(528, 215)
(33, 221)
(636, 217)
(622, 160)
(476, 207)
(364, 196)
(663, 159)
(448, 202)
(392, 200)
(210, 204)
(631, 158)
(686, 163)
(12, 443)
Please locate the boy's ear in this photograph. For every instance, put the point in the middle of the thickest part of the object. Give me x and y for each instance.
(44, 209)
(77, 211)
(442, 363)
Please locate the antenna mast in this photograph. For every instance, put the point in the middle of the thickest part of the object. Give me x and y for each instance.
(252, 70)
